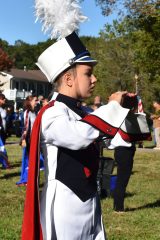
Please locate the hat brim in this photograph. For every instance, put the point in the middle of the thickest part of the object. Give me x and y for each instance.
(87, 59)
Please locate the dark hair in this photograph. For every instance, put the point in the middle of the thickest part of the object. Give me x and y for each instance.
(27, 102)
(57, 81)
(2, 96)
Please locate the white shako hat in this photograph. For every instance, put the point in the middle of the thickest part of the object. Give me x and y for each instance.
(62, 55)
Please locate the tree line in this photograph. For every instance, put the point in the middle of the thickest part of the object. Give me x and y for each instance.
(128, 50)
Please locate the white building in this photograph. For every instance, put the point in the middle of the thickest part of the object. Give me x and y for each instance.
(18, 84)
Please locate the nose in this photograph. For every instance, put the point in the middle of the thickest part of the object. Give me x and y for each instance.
(94, 79)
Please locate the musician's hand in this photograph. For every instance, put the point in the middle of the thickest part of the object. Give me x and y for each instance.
(118, 96)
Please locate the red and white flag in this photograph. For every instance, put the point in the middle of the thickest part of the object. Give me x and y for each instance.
(140, 106)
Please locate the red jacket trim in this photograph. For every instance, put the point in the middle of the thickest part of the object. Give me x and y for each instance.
(100, 124)
(135, 137)
(31, 227)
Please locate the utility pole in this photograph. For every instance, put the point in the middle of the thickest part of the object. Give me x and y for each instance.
(136, 83)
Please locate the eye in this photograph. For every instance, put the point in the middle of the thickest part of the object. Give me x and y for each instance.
(89, 74)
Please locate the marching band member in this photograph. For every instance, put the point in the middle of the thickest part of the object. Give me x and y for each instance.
(69, 203)
(29, 118)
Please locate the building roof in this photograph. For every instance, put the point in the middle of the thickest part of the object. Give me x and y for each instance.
(35, 75)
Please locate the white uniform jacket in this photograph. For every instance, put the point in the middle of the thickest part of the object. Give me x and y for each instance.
(70, 208)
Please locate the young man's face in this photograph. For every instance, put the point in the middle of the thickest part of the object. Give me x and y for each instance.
(84, 81)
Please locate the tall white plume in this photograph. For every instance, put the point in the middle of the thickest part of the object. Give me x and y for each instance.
(59, 17)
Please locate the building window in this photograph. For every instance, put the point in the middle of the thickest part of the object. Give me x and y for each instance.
(40, 89)
(32, 88)
(48, 89)
(24, 86)
(16, 85)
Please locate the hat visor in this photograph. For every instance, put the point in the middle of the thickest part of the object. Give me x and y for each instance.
(86, 59)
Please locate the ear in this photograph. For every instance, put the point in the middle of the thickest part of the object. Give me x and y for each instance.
(68, 77)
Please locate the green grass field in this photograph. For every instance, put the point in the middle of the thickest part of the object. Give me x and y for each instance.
(141, 221)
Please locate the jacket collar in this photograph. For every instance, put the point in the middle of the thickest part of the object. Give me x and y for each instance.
(72, 103)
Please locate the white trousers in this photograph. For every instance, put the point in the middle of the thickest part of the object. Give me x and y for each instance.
(65, 217)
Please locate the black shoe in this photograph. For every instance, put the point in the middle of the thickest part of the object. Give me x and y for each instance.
(118, 209)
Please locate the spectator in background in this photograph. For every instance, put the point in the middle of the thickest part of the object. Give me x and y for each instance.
(29, 118)
(97, 102)
(18, 122)
(3, 115)
(39, 103)
(21, 117)
(86, 108)
(10, 117)
(156, 123)
(45, 102)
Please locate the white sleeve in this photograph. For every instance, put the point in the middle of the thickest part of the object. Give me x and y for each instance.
(3, 116)
(3, 113)
(60, 129)
(108, 118)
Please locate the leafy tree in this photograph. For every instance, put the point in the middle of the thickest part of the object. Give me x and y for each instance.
(114, 70)
(145, 53)
(119, 57)
(130, 7)
(138, 29)
(25, 54)
(5, 62)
